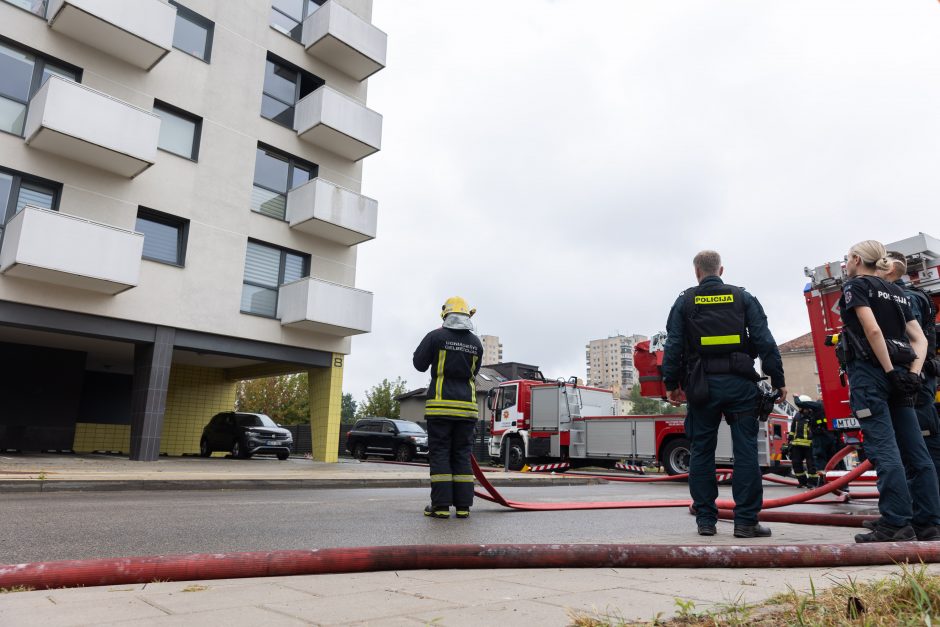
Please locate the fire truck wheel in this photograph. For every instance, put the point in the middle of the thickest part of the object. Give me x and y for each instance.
(516, 454)
(676, 456)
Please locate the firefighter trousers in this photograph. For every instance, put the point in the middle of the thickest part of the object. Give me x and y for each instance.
(825, 446)
(799, 455)
(450, 444)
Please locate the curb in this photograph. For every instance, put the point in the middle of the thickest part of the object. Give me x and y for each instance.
(64, 485)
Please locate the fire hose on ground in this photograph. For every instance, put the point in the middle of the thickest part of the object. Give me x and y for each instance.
(118, 571)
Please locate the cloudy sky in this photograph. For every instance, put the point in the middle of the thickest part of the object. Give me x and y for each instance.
(558, 163)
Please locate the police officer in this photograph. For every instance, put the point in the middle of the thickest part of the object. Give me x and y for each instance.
(453, 354)
(885, 349)
(714, 331)
(926, 316)
(800, 444)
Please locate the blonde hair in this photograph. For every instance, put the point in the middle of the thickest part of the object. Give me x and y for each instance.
(873, 254)
(708, 262)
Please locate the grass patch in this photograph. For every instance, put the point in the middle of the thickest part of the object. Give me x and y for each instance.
(195, 588)
(16, 589)
(909, 597)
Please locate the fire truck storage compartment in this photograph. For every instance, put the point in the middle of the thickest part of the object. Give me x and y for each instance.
(553, 406)
(620, 437)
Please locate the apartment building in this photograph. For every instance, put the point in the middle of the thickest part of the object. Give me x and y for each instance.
(610, 363)
(181, 202)
(492, 350)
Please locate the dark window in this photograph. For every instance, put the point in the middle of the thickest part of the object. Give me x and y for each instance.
(18, 190)
(164, 236)
(388, 428)
(288, 16)
(508, 397)
(275, 175)
(179, 131)
(284, 86)
(33, 6)
(22, 73)
(266, 269)
(193, 33)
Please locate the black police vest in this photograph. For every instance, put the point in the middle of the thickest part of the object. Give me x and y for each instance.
(715, 321)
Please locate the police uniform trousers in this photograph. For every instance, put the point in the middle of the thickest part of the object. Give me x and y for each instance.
(734, 396)
(450, 444)
(907, 480)
(825, 446)
(799, 455)
(928, 420)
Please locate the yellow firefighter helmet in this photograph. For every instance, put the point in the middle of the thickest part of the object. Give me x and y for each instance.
(456, 304)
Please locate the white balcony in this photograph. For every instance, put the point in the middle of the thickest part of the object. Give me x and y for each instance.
(332, 212)
(139, 32)
(85, 125)
(317, 305)
(335, 122)
(338, 37)
(58, 248)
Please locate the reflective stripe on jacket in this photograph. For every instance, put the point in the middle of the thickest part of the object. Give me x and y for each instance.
(453, 356)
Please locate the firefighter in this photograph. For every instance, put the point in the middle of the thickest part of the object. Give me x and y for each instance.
(714, 331)
(884, 353)
(800, 444)
(926, 315)
(453, 352)
(825, 442)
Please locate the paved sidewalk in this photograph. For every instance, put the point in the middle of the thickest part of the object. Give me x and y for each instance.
(421, 597)
(46, 472)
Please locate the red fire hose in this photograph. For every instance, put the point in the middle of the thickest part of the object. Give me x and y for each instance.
(120, 571)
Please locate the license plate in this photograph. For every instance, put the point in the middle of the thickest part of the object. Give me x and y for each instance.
(273, 442)
(847, 423)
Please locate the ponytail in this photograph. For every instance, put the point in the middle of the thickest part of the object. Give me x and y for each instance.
(873, 254)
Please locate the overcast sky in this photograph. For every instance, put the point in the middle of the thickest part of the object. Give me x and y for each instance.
(558, 163)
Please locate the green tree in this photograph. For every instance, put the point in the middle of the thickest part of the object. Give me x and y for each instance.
(643, 406)
(286, 399)
(349, 409)
(380, 400)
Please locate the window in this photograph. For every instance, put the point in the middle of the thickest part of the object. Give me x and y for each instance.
(179, 131)
(18, 190)
(33, 6)
(275, 175)
(287, 16)
(193, 33)
(508, 397)
(266, 269)
(284, 86)
(21, 75)
(164, 236)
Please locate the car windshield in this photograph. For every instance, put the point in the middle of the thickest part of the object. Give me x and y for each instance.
(409, 427)
(252, 420)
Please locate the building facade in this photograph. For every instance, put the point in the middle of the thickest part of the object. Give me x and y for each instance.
(180, 188)
(492, 350)
(610, 363)
(799, 364)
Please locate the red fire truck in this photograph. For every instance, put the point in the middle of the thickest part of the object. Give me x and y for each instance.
(543, 421)
(822, 302)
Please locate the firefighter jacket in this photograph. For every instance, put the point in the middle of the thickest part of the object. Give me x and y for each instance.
(801, 429)
(715, 320)
(454, 357)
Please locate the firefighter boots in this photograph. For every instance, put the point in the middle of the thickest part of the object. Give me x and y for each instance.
(751, 531)
(436, 512)
(882, 532)
(463, 512)
(802, 479)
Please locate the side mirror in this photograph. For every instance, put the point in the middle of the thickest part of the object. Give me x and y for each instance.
(491, 398)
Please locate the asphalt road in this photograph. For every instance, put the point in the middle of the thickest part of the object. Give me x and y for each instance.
(71, 525)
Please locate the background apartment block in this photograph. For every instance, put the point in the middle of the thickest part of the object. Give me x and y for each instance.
(610, 363)
(180, 193)
(492, 350)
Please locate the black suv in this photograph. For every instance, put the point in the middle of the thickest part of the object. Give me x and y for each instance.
(399, 439)
(245, 434)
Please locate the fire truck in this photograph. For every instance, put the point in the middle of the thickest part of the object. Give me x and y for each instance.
(543, 421)
(822, 302)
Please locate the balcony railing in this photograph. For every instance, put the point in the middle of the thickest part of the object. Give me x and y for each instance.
(325, 307)
(335, 122)
(332, 212)
(80, 123)
(339, 37)
(139, 32)
(62, 249)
